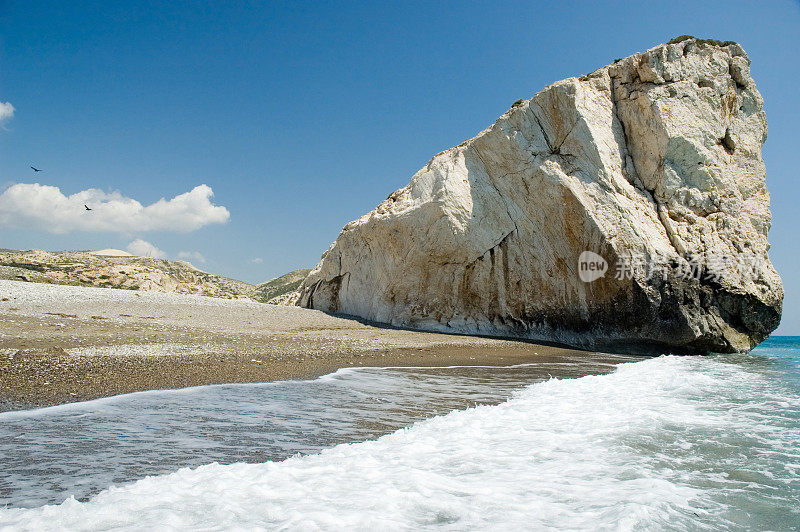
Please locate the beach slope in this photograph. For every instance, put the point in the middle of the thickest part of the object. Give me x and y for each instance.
(68, 343)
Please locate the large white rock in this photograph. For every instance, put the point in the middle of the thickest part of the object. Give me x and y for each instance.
(653, 163)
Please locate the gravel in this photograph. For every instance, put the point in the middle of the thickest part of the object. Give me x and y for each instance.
(68, 343)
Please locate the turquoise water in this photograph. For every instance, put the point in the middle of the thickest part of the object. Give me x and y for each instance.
(668, 442)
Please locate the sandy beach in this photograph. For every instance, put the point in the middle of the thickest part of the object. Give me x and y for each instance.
(64, 343)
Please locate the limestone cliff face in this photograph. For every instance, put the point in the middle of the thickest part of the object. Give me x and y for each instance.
(652, 163)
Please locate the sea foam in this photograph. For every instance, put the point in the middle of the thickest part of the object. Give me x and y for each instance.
(688, 442)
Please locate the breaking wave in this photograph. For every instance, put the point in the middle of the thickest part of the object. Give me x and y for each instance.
(665, 442)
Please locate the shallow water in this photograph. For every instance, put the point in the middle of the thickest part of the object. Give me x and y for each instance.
(669, 442)
(79, 449)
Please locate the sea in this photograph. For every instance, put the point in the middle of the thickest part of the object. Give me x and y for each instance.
(669, 442)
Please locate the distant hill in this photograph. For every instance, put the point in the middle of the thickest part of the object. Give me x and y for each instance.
(279, 286)
(84, 268)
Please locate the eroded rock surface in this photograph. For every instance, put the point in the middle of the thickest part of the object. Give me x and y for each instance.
(653, 163)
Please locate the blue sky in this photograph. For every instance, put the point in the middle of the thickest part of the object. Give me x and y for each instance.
(303, 116)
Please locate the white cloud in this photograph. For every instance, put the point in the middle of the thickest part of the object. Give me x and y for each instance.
(192, 256)
(35, 206)
(145, 249)
(6, 111)
(257, 260)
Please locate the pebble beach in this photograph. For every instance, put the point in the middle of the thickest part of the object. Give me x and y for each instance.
(61, 344)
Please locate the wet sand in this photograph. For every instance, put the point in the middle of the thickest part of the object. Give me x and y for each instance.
(62, 344)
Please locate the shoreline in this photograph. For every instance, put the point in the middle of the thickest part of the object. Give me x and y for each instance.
(63, 344)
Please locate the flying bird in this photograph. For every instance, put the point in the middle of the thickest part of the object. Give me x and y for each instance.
(35, 169)
(87, 208)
